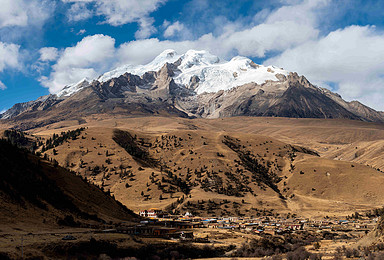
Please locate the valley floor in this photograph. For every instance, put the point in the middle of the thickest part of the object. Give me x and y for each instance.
(68, 243)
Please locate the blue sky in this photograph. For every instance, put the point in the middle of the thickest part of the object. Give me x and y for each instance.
(47, 44)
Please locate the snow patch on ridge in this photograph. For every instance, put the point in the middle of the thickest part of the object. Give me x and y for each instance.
(73, 88)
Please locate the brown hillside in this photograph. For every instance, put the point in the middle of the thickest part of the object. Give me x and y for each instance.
(222, 167)
(37, 194)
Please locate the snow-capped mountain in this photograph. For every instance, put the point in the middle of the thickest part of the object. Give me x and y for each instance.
(194, 84)
(213, 74)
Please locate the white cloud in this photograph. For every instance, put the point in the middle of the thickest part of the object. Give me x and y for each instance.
(9, 58)
(90, 56)
(351, 57)
(12, 13)
(256, 41)
(264, 38)
(48, 54)
(81, 32)
(146, 28)
(118, 12)
(284, 28)
(302, 12)
(78, 12)
(2, 87)
(23, 20)
(173, 29)
(166, 23)
(23, 12)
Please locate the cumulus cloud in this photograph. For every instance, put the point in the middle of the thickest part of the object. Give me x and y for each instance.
(48, 54)
(281, 29)
(87, 59)
(146, 28)
(9, 58)
(302, 12)
(118, 12)
(22, 12)
(79, 11)
(351, 57)
(20, 19)
(24, 19)
(254, 42)
(173, 29)
(12, 13)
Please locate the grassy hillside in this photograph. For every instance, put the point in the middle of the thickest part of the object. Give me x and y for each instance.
(215, 172)
(37, 192)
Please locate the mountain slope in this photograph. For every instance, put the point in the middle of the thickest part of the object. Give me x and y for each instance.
(301, 100)
(213, 172)
(292, 96)
(36, 192)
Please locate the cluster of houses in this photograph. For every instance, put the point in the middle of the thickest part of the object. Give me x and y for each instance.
(159, 224)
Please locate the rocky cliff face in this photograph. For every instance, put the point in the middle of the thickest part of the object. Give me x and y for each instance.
(40, 104)
(195, 84)
(291, 96)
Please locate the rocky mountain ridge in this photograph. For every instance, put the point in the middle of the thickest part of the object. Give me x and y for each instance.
(195, 84)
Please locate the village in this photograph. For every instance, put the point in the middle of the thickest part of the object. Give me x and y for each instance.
(157, 223)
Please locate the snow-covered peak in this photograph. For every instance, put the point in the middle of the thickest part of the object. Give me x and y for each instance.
(167, 56)
(213, 74)
(73, 88)
(193, 58)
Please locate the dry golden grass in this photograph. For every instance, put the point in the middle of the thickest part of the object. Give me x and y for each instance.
(329, 185)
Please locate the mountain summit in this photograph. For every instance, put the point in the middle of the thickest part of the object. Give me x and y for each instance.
(193, 84)
(213, 74)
